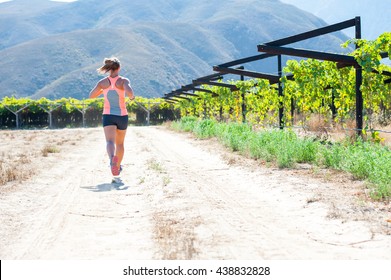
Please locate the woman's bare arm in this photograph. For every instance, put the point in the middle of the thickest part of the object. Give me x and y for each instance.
(128, 89)
(96, 91)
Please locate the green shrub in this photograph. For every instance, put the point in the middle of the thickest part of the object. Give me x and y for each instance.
(205, 128)
(234, 135)
(185, 124)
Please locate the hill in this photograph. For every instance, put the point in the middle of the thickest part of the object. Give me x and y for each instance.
(52, 49)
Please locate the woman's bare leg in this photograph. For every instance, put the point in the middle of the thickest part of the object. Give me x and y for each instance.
(110, 134)
(119, 143)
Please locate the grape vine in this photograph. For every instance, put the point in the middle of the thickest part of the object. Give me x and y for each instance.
(319, 87)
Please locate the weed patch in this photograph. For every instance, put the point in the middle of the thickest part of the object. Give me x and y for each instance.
(364, 160)
(48, 149)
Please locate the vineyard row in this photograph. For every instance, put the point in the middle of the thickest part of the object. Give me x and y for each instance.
(69, 112)
(321, 88)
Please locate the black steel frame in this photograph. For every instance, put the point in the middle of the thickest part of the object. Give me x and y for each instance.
(275, 48)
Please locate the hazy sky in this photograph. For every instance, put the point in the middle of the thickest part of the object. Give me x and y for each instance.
(51, 0)
(374, 14)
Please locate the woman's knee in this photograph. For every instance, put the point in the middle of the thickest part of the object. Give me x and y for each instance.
(110, 142)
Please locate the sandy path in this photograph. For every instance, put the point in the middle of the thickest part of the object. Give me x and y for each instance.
(180, 199)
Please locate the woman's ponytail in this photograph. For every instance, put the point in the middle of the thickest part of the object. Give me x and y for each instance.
(110, 64)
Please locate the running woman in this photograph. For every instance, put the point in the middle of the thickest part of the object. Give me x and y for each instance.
(115, 115)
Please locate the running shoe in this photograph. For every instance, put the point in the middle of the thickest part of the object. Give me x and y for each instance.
(114, 166)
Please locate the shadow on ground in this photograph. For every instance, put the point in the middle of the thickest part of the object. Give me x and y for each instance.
(107, 187)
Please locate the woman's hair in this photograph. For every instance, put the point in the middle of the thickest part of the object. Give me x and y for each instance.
(110, 64)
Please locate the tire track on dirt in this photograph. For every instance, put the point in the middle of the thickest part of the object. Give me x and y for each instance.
(72, 211)
(243, 213)
(224, 220)
(55, 190)
(178, 200)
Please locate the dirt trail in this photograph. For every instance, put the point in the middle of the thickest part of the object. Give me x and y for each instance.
(180, 198)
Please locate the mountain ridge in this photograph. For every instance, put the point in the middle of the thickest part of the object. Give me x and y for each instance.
(161, 44)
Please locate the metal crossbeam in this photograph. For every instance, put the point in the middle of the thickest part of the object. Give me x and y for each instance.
(314, 33)
(166, 97)
(203, 90)
(206, 82)
(172, 98)
(211, 77)
(247, 73)
(172, 92)
(189, 93)
(294, 39)
(194, 87)
(246, 60)
(346, 59)
(187, 87)
(290, 77)
(385, 73)
(179, 93)
(206, 90)
(384, 54)
(182, 97)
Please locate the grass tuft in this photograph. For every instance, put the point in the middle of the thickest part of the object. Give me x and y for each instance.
(48, 149)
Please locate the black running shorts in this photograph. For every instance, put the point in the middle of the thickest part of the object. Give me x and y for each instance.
(121, 122)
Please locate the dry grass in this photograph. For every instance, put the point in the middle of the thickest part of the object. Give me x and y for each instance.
(24, 152)
(49, 149)
(324, 129)
(18, 170)
(386, 136)
(153, 164)
(175, 237)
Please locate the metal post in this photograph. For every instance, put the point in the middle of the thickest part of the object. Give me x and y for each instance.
(204, 109)
(16, 113)
(50, 120)
(280, 94)
(333, 108)
(17, 119)
(83, 114)
(221, 112)
(293, 110)
(49, 111)
(82, 111)
(148, 113)
(194, 109)
(243, 103)
(359, 98)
